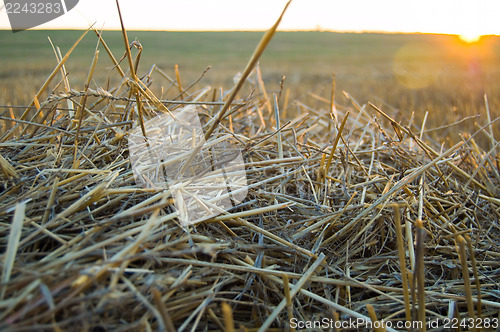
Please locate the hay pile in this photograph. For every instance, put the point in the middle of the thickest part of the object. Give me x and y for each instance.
(331, 219)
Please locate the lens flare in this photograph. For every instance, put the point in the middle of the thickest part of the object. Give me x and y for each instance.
(416, 65)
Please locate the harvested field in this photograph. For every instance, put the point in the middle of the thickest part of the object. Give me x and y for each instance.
(349, 214)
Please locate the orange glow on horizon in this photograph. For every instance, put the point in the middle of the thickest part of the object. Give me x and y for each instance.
(467, 18)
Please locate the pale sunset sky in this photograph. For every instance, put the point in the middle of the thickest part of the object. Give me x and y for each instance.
(469, 17)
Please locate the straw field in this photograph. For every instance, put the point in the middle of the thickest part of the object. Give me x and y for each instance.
(364, 66)
(355, 209)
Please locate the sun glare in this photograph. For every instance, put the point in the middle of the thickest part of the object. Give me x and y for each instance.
(470, 37)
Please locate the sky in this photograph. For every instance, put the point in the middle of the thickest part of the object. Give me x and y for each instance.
(472, 17)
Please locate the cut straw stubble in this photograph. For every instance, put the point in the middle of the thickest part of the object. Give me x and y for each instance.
(402, 261)
(105, 251)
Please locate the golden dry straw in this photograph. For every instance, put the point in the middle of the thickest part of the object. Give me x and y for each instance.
(326, 230)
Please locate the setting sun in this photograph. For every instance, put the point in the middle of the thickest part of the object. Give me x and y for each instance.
(470, 37)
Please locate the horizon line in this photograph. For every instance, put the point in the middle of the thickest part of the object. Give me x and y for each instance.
(262, 30)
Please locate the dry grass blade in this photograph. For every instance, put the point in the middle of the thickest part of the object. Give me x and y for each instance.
(288, 297)
(167, 320)
(228, 317)
(402, 262)
(476, 274)
(67, 86)
(419, 276)
(333, 109)
(127, 44)
(278, 125)
(83, 103)
(465, 273)
(110, 54)
(7, 168)
(266, 39)
(132, 71)
(490, 123)
(335, 143)
(178, 79)
(12, 246)
(378, 327)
